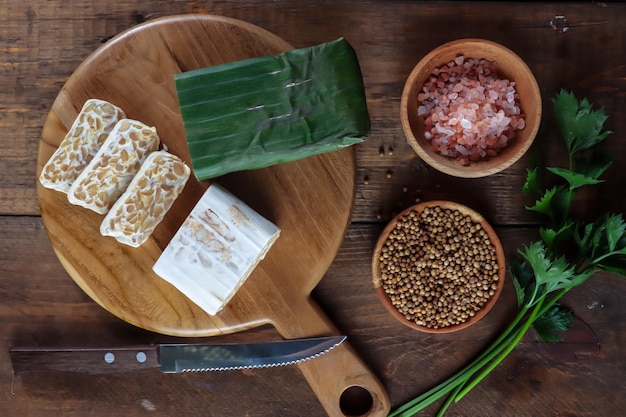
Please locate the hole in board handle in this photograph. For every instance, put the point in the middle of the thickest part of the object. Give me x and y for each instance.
(356, 401)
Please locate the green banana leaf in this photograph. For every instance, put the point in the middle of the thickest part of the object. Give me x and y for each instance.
(263, 111)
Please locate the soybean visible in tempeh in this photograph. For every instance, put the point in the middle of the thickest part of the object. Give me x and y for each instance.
(150, 195)
(110, 172)
(88, 132)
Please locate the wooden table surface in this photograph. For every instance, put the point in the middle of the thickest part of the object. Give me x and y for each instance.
(577, 46)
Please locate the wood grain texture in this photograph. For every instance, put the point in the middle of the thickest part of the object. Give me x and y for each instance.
(43, 43)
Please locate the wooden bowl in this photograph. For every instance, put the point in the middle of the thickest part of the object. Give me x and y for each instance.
(476, 219)
(511, 67)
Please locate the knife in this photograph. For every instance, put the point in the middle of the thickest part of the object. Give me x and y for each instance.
(171, 358)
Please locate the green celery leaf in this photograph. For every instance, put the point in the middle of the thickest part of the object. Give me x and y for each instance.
(548, 235)
(585, 238)
(532, 186)
(580, 126)
(597, 238)
(609, 243)
(523, 281)
(615, 264)
(555, 274)
(594, 166)
(552, 203)
(544, 204)
(556, 319)
(615, 228)
(553, 238)
(565, 108)
(268, 110)
(574, 179)
(601, 238)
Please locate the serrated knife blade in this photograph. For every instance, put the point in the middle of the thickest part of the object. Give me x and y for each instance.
(171, 358)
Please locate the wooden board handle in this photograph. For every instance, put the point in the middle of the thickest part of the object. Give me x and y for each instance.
(343, 383)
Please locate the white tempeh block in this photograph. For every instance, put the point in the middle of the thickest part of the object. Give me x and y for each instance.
(119, 159)
(149, 196)
(92, 126)
(216, 249)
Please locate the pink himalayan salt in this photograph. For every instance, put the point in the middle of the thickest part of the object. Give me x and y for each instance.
(470, 113)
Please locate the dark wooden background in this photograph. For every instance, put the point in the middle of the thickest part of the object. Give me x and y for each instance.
(578, 46)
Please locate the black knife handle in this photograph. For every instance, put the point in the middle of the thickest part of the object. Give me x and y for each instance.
(84, 360)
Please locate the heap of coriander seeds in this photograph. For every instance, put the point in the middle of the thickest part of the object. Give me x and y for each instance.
(438, 267)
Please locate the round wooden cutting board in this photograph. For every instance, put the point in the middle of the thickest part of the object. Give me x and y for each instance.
(311, 201)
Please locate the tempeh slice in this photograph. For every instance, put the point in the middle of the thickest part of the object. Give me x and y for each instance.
(90, 129)
(149, 196)
(216, 249)
(108, 174)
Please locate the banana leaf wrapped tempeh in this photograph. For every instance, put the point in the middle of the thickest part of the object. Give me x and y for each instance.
(267, 110)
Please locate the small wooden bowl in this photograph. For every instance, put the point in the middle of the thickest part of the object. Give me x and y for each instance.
(511, 67)
(477, 219)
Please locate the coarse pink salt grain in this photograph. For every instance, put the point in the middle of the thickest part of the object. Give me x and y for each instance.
(470, 113)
